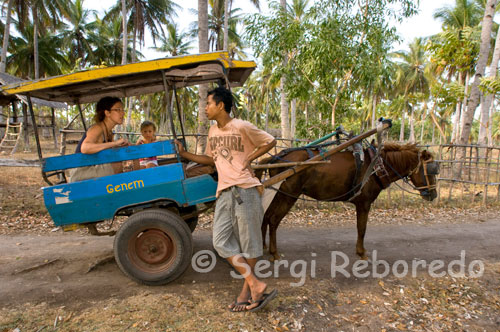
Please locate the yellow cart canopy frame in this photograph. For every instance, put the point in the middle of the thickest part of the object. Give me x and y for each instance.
(136, 78)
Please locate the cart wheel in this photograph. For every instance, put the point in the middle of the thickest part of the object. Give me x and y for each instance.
(153, 247)
(191, 222)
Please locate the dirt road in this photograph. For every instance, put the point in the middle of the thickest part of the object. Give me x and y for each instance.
(55, 268)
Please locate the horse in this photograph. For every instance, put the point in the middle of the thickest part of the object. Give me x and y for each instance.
(340, 180)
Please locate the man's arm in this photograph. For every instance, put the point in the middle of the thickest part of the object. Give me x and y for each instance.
(258, 152)
(197, 158)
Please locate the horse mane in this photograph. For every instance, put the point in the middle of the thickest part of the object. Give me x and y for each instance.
(401, 156)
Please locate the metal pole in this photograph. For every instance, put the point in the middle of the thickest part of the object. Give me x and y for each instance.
(81, 115)
(180, 117)
(169, 110)
(35, 128)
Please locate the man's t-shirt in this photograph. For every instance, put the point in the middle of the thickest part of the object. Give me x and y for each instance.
(229, 147)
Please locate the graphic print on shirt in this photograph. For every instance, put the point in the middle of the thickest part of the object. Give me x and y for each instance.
(225, 145)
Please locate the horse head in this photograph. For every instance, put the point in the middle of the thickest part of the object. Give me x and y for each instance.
(423, 176)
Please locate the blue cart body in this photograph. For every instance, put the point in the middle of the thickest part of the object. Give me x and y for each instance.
(102, 198)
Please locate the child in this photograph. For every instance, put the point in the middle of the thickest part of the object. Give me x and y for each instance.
(148, 130)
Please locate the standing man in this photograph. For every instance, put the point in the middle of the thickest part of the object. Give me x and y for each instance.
(232, 145)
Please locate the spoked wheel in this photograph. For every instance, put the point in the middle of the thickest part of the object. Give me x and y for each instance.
(153, 247)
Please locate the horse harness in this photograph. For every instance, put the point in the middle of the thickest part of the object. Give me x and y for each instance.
(429, 167)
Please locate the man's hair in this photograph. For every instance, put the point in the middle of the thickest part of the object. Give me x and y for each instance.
(104, 104)
(146, 124)
(221, 94)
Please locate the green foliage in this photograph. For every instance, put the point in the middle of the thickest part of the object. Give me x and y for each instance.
(490, 85)
(455, 49)
(333, 43)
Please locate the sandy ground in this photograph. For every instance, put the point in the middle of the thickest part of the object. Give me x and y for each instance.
(55, 281)
(59, 269)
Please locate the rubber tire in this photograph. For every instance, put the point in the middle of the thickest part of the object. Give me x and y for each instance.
(166, 222)
(191, 222)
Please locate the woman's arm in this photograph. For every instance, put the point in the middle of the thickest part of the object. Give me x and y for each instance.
(93, 143)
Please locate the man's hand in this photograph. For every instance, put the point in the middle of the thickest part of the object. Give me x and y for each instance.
(248, 165)
(180, 147)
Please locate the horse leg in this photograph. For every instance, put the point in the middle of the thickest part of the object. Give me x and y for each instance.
(362, 210)
(264, 232)
(274, 214)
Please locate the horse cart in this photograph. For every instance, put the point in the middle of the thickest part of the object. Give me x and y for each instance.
(154, 245)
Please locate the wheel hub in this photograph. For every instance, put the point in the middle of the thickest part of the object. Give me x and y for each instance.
(154, 247)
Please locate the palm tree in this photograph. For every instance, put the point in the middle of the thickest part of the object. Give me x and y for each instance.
(285, 123)
(45, 14)
(106, 41)
(227, 9)
(474, 99)
(77, 38)
(6, 34)
(465, 13)
(21, 60)
(145, 14)
(457, 21)
(175, 43)
(123, 6)
(412, 78)
(203, 88)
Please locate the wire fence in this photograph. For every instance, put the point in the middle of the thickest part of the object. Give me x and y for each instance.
(468, 173)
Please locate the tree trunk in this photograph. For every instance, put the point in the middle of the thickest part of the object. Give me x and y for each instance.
(226, 25)
(203, 88)
(306, 114)
(6, 35)
(285, 122)
(293, 120)
(458, 112)
(402, 129)
(424, 116)
(35, 42)
(480, 67)
(490, 127)
(464, 107)
(374, 111)
(486, 105)
(134, 45)
(412, 126)
(125, 34)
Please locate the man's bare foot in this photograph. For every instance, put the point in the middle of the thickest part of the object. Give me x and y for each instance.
(257, 292)
(256, 305)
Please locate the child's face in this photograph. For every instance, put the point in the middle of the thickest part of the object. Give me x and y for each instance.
(148, 132)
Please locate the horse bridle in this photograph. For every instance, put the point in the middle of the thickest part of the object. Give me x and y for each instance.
(429, 167)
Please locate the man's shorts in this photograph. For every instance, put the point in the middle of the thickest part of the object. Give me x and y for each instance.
(237, 227)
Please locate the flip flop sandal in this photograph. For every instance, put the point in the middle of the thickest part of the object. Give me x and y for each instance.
(266, 298)
(237, 304)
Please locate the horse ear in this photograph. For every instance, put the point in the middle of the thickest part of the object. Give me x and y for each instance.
(372, 142)
(426, 155)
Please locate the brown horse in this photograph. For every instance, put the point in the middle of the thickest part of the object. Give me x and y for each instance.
(334, 182)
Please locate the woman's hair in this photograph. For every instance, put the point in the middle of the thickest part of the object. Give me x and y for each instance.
(104, 104)
(221, 94)
(146, 124)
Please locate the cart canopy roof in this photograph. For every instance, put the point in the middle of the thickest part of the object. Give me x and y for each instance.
(136, 78)
(6, 99)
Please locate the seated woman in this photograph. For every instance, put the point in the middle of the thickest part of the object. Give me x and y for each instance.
(109, 113)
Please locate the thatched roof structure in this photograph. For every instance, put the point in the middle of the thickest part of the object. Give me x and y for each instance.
(7, 99)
